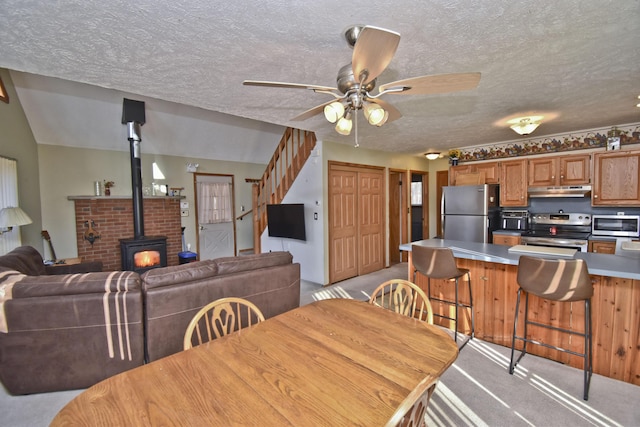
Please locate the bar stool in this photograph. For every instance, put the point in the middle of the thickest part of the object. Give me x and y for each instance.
(439, 263)
(555, 280)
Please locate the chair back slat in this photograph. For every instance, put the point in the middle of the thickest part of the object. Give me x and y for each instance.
(411, 412)
(403, 297)
(220, 318)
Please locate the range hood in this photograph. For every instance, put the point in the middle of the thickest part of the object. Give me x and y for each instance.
(560, 191)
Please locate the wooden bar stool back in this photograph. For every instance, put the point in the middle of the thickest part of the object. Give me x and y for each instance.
(439, 263)
(554, 280)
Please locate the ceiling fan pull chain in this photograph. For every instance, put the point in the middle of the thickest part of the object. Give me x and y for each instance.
(355, 118)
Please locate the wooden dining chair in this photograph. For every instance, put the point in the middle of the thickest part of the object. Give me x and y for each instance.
(220, 318)
(413, 409)
(403, 297)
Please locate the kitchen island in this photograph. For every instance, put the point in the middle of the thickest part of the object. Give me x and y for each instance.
(493, 268)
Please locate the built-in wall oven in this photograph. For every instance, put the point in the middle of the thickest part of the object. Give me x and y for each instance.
(560, 230)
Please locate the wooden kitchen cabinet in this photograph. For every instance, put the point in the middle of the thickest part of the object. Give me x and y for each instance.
(615, 178)
(504, 239)
(513, 183)
(602, 246)
(489, 169)
(560, 170)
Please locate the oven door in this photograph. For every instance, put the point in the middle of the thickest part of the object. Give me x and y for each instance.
(580, 245)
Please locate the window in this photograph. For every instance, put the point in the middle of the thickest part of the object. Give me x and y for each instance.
(9, 197)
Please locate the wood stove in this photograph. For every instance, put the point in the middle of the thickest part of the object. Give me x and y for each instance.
(142, 254)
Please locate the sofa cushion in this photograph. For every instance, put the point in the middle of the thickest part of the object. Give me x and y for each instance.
(184, 273)
(237, 264)
(24, 286)
(25, 259)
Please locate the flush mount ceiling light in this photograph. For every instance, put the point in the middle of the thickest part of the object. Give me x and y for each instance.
(525, 125)
(432, 155)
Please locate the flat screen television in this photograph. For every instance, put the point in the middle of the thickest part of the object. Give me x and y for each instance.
(286, 220)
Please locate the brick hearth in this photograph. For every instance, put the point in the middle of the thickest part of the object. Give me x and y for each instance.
(113, 219)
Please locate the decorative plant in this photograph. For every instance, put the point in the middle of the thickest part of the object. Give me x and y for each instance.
(109, 184)
(454, 153)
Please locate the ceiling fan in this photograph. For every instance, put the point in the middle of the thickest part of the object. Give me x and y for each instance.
(373, 49)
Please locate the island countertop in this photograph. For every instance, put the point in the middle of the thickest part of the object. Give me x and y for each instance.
(627, 267)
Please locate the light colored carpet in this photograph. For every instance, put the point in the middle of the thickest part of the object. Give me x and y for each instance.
(476, 391)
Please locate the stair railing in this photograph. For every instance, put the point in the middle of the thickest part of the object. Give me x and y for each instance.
(292, 152)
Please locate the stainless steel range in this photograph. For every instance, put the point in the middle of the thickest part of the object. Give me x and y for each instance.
(560, 230)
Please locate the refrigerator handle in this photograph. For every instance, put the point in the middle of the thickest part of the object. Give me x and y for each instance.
(442, 215)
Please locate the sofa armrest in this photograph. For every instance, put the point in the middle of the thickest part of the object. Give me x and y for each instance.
(83, 267)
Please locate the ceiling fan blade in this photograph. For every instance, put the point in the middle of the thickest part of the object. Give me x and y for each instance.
(438, 83)
(394, 113)
(311, 112)
(289, 85)
(373, 51)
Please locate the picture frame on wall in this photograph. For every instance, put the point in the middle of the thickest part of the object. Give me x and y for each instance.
(4, 96)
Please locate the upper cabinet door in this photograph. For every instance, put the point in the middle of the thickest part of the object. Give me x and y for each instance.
(489, 171)
(543, 172)
(615, 180)
(574, 169)
(513, 183)
(560, 170)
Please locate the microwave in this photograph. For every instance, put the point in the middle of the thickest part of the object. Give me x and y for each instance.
(615, 225)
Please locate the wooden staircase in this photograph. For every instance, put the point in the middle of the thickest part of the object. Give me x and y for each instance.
(292, 152)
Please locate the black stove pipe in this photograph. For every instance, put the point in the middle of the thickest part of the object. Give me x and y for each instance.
(133, 115)
(133, 130)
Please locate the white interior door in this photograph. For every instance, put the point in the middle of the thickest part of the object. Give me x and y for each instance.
(216, 240)
(216, 230)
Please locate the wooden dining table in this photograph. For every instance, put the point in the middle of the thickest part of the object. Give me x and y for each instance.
(334, 362)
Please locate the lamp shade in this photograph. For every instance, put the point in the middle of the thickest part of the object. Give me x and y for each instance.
(374, 113)
(432, 156)
(333, 111)
(13, 217)
(344, 125)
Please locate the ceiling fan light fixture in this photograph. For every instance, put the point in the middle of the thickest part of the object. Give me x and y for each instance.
(432, 156)
(344, 125)
(384, 119)
(374, 113)
(525, 125)
(333, 111)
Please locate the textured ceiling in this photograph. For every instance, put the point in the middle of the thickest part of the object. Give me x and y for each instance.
(575, 61)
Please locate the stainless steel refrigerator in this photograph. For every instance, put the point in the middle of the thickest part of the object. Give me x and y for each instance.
(470, 212)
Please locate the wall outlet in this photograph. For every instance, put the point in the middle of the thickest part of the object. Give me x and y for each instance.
(184, 212)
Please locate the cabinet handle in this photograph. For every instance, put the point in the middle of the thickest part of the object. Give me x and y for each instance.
(595, 196)
(485, 278)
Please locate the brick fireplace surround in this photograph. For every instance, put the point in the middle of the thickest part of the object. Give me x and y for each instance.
(113, 219)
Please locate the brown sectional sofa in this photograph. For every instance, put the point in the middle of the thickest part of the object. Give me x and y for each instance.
(70, 331)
